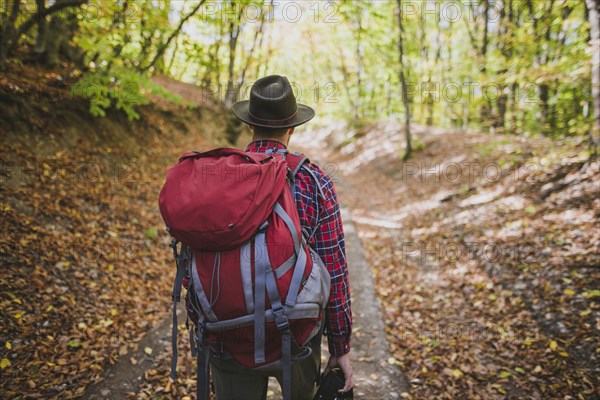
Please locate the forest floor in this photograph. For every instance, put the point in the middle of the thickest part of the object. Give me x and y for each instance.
(86, 267)
(486, 255)
(487, 270)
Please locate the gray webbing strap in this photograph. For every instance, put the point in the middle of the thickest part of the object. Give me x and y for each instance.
(286, 266)
(283, 325)
(311, 173)
(200, 293)
(302, 161)
(202, 375)
(261, 264)
(286, 358)
(290, 299)
(180, 261)
(294, 172)
(174, 343)
(289, 223)
(301, 259)
(246, 273)
(276, 306)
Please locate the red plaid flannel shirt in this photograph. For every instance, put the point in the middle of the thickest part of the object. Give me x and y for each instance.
(328, 242)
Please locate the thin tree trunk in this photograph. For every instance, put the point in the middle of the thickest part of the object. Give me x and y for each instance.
(8, 33)
(404, 86)
(358, 55)
(56, 35)
(513, 108)
(163, 47)
(486, 109)
(37, 17)
(267, 52)
(40, 40)
(233, 36)
(256, 43)
(170, 66)
(346, 82)
(234, 33)
(593, 7)
(542, 58)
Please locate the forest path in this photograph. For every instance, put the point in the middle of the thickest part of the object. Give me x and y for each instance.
(376, 374)
(486, 280)
(376, 378)
(456, 328)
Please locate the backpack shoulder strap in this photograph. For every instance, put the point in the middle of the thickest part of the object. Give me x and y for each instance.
(295, 161)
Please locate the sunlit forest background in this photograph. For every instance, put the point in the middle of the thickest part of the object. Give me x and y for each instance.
(521, 67)
(462, 137)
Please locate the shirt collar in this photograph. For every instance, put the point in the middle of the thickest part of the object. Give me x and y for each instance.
(262, 145)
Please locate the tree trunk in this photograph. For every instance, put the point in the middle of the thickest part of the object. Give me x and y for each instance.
(500, 121)
(256, 44)
(486, 108)
(174, 55)
(359, 56)
(544, 108)
(8, 33)
(57, 33)
(593, 7)
(347, 85)
(404, 86)
(40, 40)
(164, 46)
(234, 32)
(513, 108)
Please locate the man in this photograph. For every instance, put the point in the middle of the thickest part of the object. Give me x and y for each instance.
(272, 114)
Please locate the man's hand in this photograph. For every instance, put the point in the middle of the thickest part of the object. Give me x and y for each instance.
(343, 362)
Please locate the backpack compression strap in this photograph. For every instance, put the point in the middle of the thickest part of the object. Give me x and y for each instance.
(181, 262)
(202, 369)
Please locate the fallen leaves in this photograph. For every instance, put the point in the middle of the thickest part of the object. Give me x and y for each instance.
(82, 276)
(484, 297)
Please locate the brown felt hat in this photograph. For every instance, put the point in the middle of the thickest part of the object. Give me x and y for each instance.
(272, 104)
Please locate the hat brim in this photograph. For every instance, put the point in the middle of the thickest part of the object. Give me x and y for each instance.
(303, 115)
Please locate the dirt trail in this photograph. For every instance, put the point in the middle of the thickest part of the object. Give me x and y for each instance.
(376, 377)
(486, 281)
(125, 377)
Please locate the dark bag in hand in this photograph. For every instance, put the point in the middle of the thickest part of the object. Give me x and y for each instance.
(331, 385)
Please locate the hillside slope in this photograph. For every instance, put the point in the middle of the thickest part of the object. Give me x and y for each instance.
(86, 268)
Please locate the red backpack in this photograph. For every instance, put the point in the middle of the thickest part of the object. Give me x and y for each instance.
(256, 291)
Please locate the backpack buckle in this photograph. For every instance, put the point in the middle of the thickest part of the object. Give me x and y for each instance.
(173, 245)
(283, 325)
(282, 322)
(200, 332)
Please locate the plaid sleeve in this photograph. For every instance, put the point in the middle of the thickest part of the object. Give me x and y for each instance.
(329, 243)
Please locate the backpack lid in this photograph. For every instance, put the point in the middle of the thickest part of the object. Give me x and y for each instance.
(216, 200)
